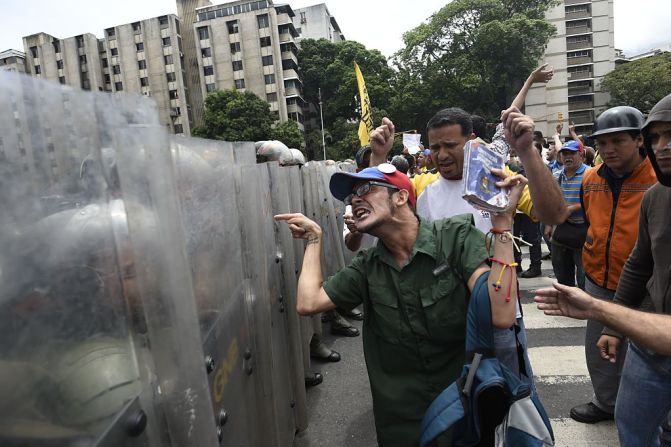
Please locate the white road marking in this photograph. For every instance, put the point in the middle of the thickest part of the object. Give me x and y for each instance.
(569, 433)
(536, 319)
(558, 361)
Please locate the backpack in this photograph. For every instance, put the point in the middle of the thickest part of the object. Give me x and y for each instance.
(487, 404)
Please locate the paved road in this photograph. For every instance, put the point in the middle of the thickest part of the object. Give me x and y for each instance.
(341, 407)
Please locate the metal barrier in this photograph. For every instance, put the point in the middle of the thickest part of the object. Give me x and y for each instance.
(147, 296)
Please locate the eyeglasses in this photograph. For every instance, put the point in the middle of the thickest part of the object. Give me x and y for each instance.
(364, 189)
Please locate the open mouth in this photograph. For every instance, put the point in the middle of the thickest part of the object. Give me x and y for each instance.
(361, 213)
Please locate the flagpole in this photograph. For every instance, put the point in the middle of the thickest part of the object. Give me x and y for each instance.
(321, 117)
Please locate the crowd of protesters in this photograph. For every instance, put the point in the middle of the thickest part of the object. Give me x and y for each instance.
(599, 210)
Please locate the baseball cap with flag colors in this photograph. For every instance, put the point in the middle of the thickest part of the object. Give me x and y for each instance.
(342, 183)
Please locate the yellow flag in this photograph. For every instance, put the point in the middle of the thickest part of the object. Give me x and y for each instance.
(366, 124)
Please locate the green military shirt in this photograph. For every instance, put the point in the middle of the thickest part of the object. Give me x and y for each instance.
(415, 320)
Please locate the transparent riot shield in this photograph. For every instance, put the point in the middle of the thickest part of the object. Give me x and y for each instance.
(212, 226)
(100, 343)
(244, 152)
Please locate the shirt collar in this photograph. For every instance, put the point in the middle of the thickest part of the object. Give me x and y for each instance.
(425, 243)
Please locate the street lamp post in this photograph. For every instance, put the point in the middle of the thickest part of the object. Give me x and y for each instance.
(321, 117)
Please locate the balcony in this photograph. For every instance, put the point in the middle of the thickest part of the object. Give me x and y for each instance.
(586, 117)
(581, 104)
(579, 45)
(578, 15)
(578, 30)
(574, 76)
(580, 90)
(576, 2)
(579, 60)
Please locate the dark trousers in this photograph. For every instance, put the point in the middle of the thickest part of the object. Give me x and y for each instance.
(567, 265)
(525, 228)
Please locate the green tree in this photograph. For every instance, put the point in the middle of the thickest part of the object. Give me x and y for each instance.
(641, 83)
(330, 67)
(231, 115)
(289, 133)
(472, 54)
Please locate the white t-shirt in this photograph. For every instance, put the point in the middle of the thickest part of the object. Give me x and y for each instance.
(442, 199)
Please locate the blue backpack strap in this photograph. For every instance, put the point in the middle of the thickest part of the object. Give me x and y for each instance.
(479, 333)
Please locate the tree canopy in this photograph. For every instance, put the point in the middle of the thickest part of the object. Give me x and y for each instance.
(231, 115)
(640, 83)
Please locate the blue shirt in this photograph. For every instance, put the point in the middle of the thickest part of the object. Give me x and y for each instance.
(570, 188)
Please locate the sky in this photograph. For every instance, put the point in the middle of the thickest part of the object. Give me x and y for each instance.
(375, 23)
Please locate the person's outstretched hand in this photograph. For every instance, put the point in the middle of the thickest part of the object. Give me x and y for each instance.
(542, 74)
(519, 129)
(301, 227)
(565, 301)
(382, 139)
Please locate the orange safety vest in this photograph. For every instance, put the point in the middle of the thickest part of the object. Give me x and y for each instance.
(613, 227)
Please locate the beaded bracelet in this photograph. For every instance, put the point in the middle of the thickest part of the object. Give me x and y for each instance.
(497, 284)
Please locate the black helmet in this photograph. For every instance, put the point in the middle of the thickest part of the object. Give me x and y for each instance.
(661, 112)
(618, 119)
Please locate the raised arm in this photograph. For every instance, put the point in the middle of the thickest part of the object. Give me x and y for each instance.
(311, 297)
(548, 202)
(541, 74)
(381, 142)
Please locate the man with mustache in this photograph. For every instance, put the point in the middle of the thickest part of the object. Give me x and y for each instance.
(611, 195)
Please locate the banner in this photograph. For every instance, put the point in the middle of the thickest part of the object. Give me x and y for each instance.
(366, 124)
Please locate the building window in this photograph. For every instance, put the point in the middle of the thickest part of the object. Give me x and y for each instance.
(210, 87)
(108, 80)
(574, 54)
(206, 52)
(179, 128)
(137, 27)
(33, 51)
(167, 59)
(59, 64)
(203, 33)
(116, 69)
(105, 63)
(267, 60)
(82, 59)
(233, 27)
(173, 94)
(208, 71)
(80, 41)
(139, 46)
(237, 65)
(118, 86)
(163, 21)
(114, 51)
(57, 46)
(265, 41)
(166, 41)
(141, 65)
(177, 26)
(270, 79)
(38, 69)
(111, 32)
(144, 82)
(235, 47)
(577, 24)
(61, 79)
(271, 97)
(239, 83)
(262, 20)
(171, 77)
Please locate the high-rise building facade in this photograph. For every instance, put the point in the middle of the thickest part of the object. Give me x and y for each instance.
(582, 53)
(316, 22)
(251, 46)
(13, 60)
(147, 58)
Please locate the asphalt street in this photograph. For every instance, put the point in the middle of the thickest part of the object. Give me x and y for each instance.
(340, 409)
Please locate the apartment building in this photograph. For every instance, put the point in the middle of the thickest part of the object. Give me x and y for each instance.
(582, 53)
(316, 22)
(251, 46)
(147, 58)
(13, 60)
(73, 61)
